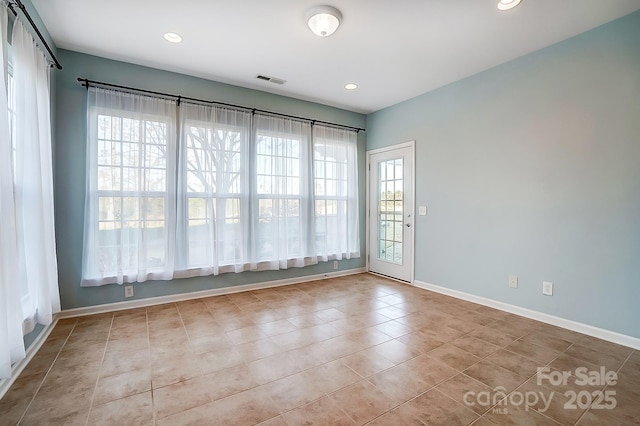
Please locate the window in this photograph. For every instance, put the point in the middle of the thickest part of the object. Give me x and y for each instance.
(132, 190)
(336, 193)
(234, 191)
(391, 210)
(278, 190)
(11, 97)
(130, 214)
(213, 191)
(18, 185)
(214, 181)
(282, 193)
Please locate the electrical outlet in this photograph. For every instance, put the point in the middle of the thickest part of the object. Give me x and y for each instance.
(422, 210)
(335, 264)
(547, 288)
(128, 291)
(513, 281)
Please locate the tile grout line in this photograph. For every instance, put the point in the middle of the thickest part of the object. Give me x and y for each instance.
(360, 325)
(47, 373)
(153, 399)
(403, 403)
(607, 385)
(433, 387)
(548, 365)
(301, 371)
(95, 387)
(522, 384)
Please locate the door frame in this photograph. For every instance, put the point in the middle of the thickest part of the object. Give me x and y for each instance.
(412, 145)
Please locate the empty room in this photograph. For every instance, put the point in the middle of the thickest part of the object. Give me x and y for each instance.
(320, 213)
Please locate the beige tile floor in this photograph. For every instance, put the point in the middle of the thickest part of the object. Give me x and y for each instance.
(352, 350)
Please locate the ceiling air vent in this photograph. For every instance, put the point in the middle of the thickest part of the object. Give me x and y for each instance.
(270, 79)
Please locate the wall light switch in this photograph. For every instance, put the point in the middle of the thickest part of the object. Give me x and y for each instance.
(547, 288)
(422, 210)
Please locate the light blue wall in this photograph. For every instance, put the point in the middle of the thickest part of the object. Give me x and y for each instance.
(70, 169)
(38, 21)
(29, 338)
(533, 168)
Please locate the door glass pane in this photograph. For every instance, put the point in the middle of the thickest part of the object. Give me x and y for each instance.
(390, 210)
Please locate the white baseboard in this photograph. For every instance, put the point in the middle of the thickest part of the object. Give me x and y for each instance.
(172, 298)
(19, 366)
(600, 333)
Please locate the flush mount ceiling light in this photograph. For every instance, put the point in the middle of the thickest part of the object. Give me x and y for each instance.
(173, 37)
(508, 4)
(351, 86)
(324, 20)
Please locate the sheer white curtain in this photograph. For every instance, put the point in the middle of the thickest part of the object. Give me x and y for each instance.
(11, 344)
(336, 193)
(282, 234)
(28, 271)
(195, 190)
(213, 190)
(34, 180)
(130, 211)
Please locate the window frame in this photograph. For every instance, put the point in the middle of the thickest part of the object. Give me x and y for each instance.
(343, 201)
(213, 200)
(294, 238)
(169, 159)
(279, 200)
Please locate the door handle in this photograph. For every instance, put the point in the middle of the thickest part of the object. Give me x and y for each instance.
(408, 225)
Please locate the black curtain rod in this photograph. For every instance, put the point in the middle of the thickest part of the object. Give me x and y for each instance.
(22, 7)
(87, 83)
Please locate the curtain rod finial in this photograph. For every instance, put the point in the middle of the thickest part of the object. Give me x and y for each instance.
(85, 82)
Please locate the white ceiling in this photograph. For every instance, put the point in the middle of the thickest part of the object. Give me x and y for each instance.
(394, 50)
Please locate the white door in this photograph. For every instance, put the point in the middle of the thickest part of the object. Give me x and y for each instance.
(391, 212)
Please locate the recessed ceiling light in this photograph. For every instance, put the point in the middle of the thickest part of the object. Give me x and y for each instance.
(508, 4)
(351, 86)
(173, 37)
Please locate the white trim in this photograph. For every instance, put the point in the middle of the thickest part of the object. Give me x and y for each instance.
(367, 211)
(19, 366)
(600, 333)
(415, 202)
(172, 298)
(409, 144)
